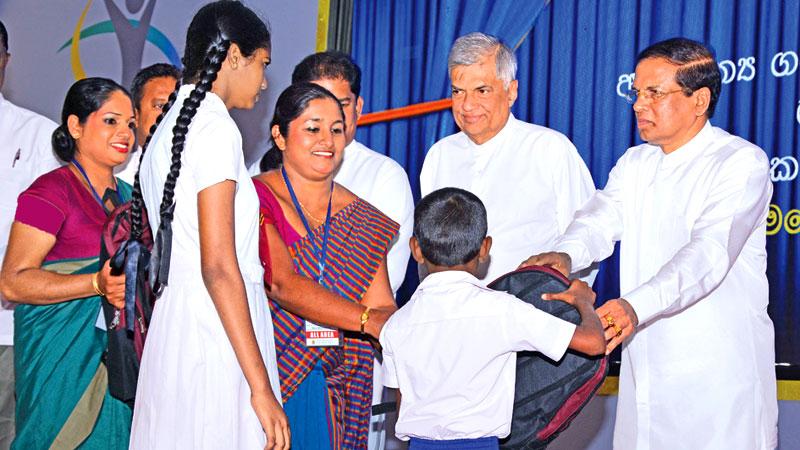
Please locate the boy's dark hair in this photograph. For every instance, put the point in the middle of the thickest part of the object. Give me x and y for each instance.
(697, 67)
(450, 226)
(332, 65)
(158, 70)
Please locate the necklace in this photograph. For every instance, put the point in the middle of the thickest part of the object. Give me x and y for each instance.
(305, 210)
(319, 251)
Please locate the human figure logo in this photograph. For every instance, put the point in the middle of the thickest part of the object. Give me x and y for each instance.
(131, 35)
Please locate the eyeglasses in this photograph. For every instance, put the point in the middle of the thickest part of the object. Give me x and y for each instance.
(651, 94)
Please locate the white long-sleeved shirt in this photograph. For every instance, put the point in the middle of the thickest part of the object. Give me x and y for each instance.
(25, 153)
(382, 182)
(531, 180)
(699, 372)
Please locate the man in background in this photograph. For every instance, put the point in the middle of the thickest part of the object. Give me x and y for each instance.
(150, 91)
(25, 153)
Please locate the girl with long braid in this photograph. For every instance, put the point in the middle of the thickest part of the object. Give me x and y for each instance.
(208, 376)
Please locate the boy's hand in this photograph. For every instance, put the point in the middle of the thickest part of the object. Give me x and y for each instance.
(559, 261)
(578, 293)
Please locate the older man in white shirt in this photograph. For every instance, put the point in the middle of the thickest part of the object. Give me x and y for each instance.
(530, 178)
(25, 153)
(372, 176)
(690, 209)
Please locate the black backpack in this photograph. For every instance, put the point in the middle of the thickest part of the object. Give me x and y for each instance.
(548, 394)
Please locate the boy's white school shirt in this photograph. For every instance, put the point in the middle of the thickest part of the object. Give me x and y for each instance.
(451, 352)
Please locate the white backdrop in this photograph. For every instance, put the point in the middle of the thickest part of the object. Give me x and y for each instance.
(38, 74)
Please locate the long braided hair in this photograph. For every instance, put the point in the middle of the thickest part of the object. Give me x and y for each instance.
(212, 31)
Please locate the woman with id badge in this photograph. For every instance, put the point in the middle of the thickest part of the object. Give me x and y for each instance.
(335, 241)
(51, 270)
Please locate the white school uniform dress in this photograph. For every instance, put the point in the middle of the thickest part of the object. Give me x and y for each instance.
(531, 180)
(382, 182)
(461, 386)
(192, 392)
(699, 372)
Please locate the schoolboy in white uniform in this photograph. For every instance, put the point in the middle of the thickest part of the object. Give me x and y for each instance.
(451, 349)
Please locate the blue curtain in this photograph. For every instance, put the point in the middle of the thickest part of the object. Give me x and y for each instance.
(574, 59)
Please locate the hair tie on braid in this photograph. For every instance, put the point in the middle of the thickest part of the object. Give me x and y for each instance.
(162, 245)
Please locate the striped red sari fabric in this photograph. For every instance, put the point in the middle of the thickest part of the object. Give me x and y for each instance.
(359, 238)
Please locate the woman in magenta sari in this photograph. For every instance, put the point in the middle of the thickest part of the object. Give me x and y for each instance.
(339, 241)
(51, 270)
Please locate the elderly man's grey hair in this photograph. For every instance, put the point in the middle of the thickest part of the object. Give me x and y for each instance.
(471, 48)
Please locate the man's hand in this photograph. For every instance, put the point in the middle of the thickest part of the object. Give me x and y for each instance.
(619, 321)
(559, 261)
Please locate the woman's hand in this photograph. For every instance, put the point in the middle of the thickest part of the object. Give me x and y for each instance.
(273, 421)
(112, 285)
(377, 319)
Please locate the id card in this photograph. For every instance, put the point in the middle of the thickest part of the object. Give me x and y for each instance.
(319, 336)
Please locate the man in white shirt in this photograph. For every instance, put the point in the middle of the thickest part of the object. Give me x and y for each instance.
(25, 153)
(690, 209)
(530, 178)
(150, 91)
(370, 175)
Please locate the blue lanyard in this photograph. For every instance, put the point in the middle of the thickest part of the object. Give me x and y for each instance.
(86, 177)
(320, 253)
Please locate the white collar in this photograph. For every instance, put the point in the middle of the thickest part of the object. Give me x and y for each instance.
(497, 140)
(448, 277)
(691, 149)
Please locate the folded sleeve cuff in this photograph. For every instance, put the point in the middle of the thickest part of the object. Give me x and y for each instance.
(645, 303)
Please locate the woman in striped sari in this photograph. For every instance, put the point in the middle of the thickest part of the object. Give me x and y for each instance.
(51, 270)
(337, 241)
